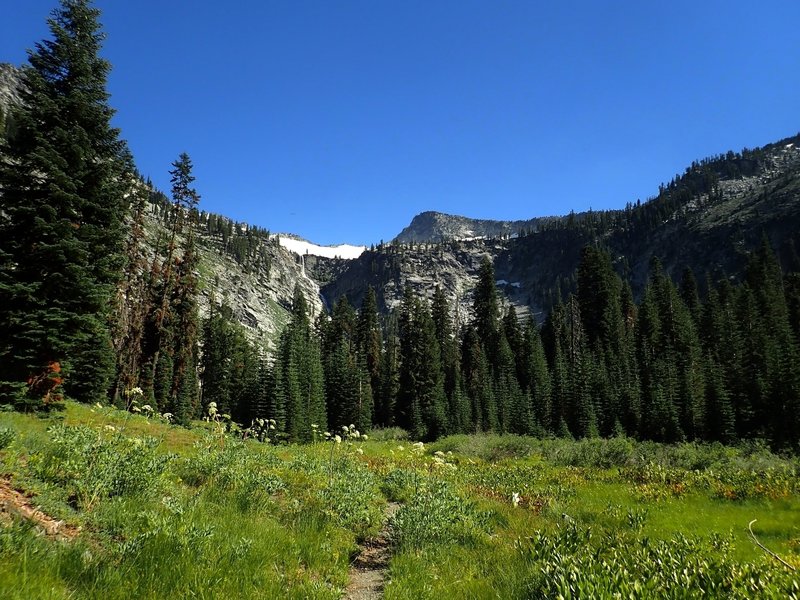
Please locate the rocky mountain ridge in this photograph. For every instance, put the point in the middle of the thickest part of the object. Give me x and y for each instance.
(706, 219)
(432, 226)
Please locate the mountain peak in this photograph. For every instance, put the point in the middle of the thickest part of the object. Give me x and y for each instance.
(433, 226)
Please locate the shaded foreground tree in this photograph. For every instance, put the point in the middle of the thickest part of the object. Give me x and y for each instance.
(63, 175)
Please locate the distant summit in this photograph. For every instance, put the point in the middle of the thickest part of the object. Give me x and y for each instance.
(434, 227)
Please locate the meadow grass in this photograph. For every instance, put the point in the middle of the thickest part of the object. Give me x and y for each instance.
(166, 512)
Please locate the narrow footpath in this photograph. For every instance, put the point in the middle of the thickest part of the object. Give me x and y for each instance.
(368, 571)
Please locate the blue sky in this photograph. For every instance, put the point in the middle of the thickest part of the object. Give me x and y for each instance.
(340, 120)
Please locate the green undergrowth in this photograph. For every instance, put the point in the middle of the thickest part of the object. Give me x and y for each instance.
(152, 510)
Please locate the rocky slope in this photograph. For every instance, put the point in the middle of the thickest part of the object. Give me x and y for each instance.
(9, 92)
(437, 227)
(707, 219)
(259, 291)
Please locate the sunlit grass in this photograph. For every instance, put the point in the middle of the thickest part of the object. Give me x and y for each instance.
(241, 519)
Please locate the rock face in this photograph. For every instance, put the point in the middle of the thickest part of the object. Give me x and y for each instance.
(452, 266)
(9, 85)
(10, 95)
(434, 226)
(260, 294)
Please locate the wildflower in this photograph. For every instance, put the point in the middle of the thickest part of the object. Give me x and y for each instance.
(167, 417)
(136, 409)
(337, 439)
(400, 448)
(110, 428)
(360, 450)
(98, 405)
(314, 426)
(439, 453)
(365, 437)
(515, 498)
(147, 408)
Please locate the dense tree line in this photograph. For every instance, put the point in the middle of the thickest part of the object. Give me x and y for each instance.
(672, 367)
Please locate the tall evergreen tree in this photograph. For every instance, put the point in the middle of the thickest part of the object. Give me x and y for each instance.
(535, 379)
(421, 399)
(369, 341)
(63, 187)
(457, 407)
(183, 401)
(298, 382)
(486, 310)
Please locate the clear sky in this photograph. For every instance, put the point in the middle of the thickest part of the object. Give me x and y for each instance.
(340, 120)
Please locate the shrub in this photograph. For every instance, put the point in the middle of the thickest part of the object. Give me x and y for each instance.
(7, 436)
(437, 515)
(93, 467)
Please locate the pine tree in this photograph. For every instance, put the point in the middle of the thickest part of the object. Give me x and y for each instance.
(486, 310)
(421, 399)
(457, 407)
(535, 380)
(368, 340)
(478, 382)
(298, 385)
(132, 302)
(386, 396)
(63, 188)
(183, 401)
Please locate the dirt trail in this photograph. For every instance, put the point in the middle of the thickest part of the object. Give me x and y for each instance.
(14, 502)
(368, 571)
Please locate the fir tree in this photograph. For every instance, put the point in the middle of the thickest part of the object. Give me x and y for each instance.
(368, 340)
(60, 237)
(298, 385)
(183, 401)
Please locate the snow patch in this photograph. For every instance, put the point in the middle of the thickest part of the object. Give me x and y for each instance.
(303, 247)
(515, 284)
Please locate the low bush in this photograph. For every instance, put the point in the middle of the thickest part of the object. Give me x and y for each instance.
(92, 465)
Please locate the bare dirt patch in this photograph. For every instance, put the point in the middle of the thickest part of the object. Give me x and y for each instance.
(14, 502)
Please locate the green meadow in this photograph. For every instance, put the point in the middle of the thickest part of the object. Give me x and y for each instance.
(101, 503)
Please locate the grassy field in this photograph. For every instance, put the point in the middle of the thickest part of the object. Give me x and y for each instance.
(99, 503)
